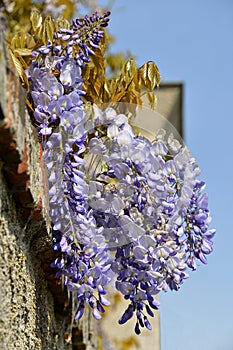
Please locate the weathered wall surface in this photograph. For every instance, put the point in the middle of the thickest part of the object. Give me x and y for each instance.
(34, 309)
(27, 318)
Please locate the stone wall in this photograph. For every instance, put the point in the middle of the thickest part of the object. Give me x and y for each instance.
(35, 311)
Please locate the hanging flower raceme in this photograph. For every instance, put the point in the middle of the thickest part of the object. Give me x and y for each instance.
(122, 207)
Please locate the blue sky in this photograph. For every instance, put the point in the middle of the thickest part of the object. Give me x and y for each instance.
(192, 41)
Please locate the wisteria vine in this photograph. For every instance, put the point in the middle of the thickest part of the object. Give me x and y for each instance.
(122, 207)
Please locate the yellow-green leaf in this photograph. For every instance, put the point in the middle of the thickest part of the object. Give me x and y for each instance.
(149, 75)
(47, 30)
(154, 72)
(61, 22)
(30, 42)
(15, 41)
(19, 68)
(118, 96)
(36, 19)
(152, 99)
(98, 60)
(129, 70)
(23, 52)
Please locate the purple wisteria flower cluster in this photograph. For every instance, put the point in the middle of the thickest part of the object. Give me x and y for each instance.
(122, 208)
